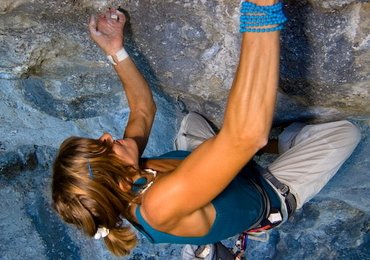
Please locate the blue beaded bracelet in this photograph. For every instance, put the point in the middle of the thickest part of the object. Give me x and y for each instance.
(270, 29)
(248, 6)
(272, 19)
(255, 21)
(261, 16)
(254, 18)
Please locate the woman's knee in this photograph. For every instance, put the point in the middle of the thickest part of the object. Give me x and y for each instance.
(351, 132)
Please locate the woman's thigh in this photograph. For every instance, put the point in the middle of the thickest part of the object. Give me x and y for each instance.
(316, 154)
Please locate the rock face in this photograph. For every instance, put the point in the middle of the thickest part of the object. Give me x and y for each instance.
(325, 54)
(189, 49)
(54, 82)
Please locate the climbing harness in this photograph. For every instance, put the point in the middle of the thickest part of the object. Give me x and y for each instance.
(282, 188)
(271, 220)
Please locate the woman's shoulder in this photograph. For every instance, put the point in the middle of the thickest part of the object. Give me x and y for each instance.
(196, 224)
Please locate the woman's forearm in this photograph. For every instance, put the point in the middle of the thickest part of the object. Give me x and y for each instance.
(138, 92)
(251, 102)
(140, 100)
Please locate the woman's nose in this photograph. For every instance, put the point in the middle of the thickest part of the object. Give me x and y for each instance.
(106, 137)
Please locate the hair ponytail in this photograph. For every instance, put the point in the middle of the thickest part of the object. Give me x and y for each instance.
(120, 241)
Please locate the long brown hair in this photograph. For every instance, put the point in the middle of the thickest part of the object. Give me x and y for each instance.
(93, 199)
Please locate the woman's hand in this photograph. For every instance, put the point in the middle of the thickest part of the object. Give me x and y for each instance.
(107, 30)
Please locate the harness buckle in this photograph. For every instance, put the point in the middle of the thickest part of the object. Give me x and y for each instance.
(284, 190)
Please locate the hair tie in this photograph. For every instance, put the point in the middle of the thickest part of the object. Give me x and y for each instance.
(91, 174)
(101, 233)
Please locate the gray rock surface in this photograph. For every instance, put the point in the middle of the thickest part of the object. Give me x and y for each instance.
(54, 82)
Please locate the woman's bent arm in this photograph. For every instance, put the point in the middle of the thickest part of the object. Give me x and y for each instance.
(108, 34)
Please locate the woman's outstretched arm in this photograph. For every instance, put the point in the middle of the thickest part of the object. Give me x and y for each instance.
(212, 166)
(108, 34)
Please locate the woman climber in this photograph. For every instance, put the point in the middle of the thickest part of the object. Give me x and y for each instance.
(215, 191)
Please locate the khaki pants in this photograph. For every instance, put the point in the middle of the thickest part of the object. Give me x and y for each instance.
(310, 154)
(194, 130)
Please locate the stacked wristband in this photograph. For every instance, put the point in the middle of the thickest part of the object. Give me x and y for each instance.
(257, 18)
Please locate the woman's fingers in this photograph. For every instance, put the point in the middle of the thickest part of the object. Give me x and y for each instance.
(108, 13)
(121, 17)
(93, 27)
(113, 15)
(104, 23)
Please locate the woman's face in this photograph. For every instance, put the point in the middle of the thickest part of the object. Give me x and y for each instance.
(126, 149)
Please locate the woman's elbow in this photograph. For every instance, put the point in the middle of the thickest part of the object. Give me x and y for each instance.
(254, 140)
(257, 140)
(262, 142)
(149, 109)
(258, 134)
(154, 108)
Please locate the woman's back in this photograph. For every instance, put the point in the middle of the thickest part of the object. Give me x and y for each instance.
(236, 209)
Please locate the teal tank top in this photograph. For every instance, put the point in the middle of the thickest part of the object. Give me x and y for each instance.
(238, 207)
